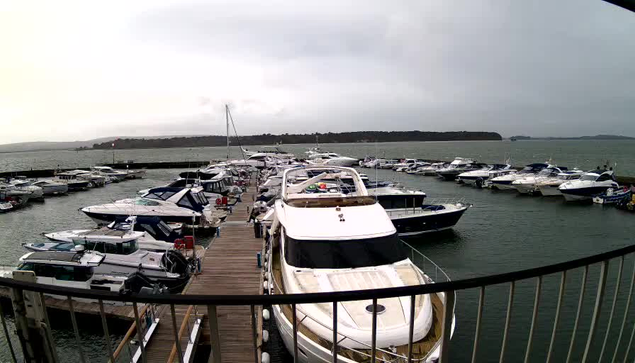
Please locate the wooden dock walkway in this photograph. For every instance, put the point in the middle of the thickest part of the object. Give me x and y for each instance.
(229, 267)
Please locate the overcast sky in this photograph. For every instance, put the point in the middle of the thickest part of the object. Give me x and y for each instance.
(82, 70)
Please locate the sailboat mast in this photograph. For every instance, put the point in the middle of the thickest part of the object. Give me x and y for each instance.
(227, 124)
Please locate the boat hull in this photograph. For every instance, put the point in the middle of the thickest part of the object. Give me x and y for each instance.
(427, 221)
(104, 218)
(582, 194)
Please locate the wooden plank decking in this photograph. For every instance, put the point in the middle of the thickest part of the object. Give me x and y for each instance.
(229, 267)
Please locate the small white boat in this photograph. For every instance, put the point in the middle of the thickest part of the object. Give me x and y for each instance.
(529, 184)
(549, 187)
(35, 192)
(329, 158)
(115, 175)
(74, 179)
(480, 176)
(590, 184)
(504, 182)
(50, 187)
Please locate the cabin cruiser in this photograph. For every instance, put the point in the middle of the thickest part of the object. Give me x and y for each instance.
(150, 233)
(528, 184)
(327, 239)
(404, 164)
(504, 182)
(20, 184)
(331, 159)
(11, 198)
(50, 187)
(115, 175)
(431, 170)
(411, 216)
(590, 184)
(459, 166)
(94, 180)
(549, 187)
(414, 168)
(480, 176)
(74, 179)
(124, 257)
(79, 269)
(178, 205)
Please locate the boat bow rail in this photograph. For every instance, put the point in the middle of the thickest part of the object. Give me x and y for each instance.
(443, 286)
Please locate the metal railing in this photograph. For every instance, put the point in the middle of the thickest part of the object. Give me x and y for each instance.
(445, 287)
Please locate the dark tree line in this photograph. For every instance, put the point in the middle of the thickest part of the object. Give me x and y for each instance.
(270, 139)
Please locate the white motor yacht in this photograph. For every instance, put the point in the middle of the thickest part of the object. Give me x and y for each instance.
(549, 186)
(177, 205)
(590, 184)
(78, 269)
(150, 233)
(528, 184)
(326, 239)
(11, 198)
(74, 179)
(35, 192)
(459, 166)
(329, 158)
(480, 176)
(403, 164)
(431, 170)
(504, 182)
(94, 180)
(115, 175)
(50, 187)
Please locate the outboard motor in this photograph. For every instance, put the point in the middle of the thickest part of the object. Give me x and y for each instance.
(139, 282)
(175, 262)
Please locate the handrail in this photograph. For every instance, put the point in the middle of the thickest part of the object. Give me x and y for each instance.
(226, 300)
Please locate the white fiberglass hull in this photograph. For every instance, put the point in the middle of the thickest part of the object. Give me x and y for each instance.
(549, 190)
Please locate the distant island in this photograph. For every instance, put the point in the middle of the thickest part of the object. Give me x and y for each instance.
(323, 138)
(596, 137)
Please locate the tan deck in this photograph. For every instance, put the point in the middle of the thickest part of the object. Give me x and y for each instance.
(229, 267)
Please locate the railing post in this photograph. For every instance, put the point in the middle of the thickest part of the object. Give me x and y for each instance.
(615, 295)
(508, 318)
(556, 319)
(76, 329)
(446, 331)
(175, 330)
(628, 304)
(534, 316)
(585, 275)
(254, 332)
(6, 334)
(373, 349)
(334, 331)
(479, 314)
(214, 333)
(142, 345)
(596, 310)
(411, 328)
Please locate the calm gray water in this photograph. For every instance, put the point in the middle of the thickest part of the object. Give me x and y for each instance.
(583, 154)
(502, 232)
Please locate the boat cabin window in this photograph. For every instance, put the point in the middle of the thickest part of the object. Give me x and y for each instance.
(124, 248)
(160, 195)
(343, 253)
(588, 177)
(146, 202)
(63, 273)
(400, 201)
(604, 177)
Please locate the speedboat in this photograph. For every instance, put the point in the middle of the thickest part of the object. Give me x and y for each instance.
(612, 196)
(549, 187)
(178, 205)
(115, 175)
(11, 199)
(325, 239)
(431, 170)
(590, 184)
(480, 176)
(330, 158)
(94, 180)
(50, 187)
(79, 269)
(35, 192)
(504, 182)
(150, 233)
(414, 168)
(123, 257)
(528, 184)
(74, 179)
(459, 166)
(412, 216)
(404, 164)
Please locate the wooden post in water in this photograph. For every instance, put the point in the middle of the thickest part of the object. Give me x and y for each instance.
(31, 323)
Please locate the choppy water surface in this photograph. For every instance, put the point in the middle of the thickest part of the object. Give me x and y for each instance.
(501, 232)
(586, 154)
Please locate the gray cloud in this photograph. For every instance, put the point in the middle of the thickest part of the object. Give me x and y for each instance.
(521, 67)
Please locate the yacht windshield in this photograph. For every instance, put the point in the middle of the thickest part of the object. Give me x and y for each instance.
(591, 177)
(344, 253)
